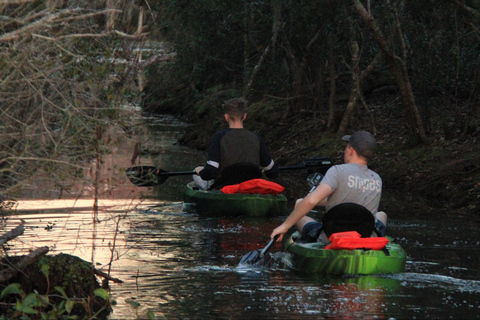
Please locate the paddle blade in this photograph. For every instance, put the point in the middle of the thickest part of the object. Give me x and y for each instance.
(145, 176)
(258, 258)
(255, 259)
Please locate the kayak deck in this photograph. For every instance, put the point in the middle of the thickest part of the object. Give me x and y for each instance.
(313, 258)
(217, 203)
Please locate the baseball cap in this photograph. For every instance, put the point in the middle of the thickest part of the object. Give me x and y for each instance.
(363, 142)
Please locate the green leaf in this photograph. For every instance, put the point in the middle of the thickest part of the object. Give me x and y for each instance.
(31, 301)
(133, 303)
(102, 293)
(45, 269)
(61, 291)
(13, 288)
(151, 315)
(61, 307)
(69, 305)
(27, 310)
(43, 299)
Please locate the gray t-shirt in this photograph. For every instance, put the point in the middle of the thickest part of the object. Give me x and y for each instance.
(353, 183)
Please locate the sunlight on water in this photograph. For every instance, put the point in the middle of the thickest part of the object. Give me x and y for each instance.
(180, 265)
(68, 226)
(184, 266)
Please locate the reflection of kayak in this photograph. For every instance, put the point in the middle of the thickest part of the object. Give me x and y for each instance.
(217, 203)
(314, 258)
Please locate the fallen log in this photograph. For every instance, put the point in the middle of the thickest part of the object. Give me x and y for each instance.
(12, 234)
(11, 270)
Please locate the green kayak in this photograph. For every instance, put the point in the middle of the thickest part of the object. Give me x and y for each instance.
(217, 203)
(313, 258)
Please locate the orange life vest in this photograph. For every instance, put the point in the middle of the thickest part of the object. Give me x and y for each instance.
(261, 186)
(351, 240)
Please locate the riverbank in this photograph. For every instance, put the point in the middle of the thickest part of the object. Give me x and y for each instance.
(441, 177)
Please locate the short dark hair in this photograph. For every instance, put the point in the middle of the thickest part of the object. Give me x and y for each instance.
(235, 107)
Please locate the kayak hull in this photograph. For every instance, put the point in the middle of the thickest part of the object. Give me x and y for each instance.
(217, 203)
(313, 258)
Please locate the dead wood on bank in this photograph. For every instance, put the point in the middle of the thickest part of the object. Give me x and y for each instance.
(12, 234)
(9, 270)
(75, 276)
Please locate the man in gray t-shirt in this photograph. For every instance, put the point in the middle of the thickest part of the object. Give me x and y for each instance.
(353, 182)
(350, 182)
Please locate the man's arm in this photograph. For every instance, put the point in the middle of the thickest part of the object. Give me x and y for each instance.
(302, 208)
(272, 171)
(269, 166)
(210, 171)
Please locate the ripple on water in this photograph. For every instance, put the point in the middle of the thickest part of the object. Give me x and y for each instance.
(437, 281)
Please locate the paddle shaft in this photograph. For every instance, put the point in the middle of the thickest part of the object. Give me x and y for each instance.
(268, 246)
(185, 173)
(142, 175)
(177, 173)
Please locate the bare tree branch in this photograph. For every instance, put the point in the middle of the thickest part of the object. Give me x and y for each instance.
(466, 8)
(15, 1)
(12, 234)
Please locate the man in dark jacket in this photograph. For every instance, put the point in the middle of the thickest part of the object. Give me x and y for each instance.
(241, 152)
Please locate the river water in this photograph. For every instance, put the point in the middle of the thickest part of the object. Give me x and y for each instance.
(179, 265)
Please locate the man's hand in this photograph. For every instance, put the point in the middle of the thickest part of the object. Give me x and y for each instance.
(198, 169)
(280, 230)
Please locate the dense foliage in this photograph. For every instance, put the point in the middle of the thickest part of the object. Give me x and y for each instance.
(66, 69)
(302, 54)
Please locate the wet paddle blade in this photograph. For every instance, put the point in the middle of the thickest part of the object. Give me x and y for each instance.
(254, 259)
(145, 176)
(250, 258)
(258, 258)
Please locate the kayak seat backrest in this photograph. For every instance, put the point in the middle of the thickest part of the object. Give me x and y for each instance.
(349, 217)
(237, 173)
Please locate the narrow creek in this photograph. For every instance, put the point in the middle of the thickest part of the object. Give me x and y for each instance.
(180, 265)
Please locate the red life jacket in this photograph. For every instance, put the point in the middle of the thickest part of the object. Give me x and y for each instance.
(351, 240)
(261, 186)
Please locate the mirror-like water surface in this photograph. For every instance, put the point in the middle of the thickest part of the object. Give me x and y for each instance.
(184, 266)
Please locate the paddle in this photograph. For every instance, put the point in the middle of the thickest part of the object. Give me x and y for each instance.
(257, 258)
(149, 176)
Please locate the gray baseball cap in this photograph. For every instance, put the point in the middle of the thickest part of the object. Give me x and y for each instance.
(363, 142)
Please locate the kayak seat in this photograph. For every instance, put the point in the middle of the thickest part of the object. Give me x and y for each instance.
(237, 173)
(349, 217)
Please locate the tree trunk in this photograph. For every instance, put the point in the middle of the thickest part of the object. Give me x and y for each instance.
(318, 104)
(397, 65)
(275, 30)
(111, 17)
(333, 83)
(299, 75)
(354, 93)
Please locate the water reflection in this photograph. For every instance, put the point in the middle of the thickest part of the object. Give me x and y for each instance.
(184, 266)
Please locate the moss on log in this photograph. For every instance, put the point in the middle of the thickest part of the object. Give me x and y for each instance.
(76, 277)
